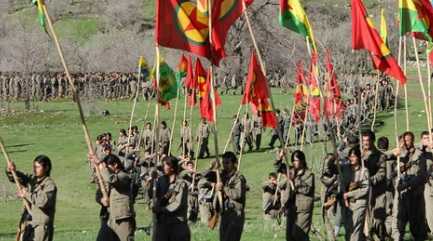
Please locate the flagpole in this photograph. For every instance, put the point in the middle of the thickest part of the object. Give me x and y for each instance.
(212, 91)
(422, 89)
(233, 128)
(406, 105)
(14, 175)
(144, 124)
(375, 100)
(133, 110)
(429, 85)
(157, 120)
(396, 129)
(292, 113)
(184, 117)
(243, 136)
(173, 125)
(77, 101)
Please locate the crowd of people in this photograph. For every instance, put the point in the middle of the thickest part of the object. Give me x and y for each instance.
(48, 86)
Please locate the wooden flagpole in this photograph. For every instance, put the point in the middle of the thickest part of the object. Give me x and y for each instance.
(232, 129)
(396, 129)
(422, 89)
(133, 110)
(243, 136)
(157, 127)
(14, 175)
(429, 86)
(173, 125)
(76, 97)
(376, 90)
(144, 124)
(184, 117)
(406, 104)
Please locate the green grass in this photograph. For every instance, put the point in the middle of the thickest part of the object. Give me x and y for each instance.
(79, 29)
(56, 132)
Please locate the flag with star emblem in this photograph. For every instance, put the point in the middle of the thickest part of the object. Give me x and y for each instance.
(365, 36)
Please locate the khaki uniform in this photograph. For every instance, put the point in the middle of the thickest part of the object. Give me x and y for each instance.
(257, 131)
(303, 195)
(358, 202)
(193, 206)
(203, 135)
(42, 194)
(121, 210)
(233, 214)
(206, 196)
(185, 140)
(170, 210)
(271, 200)
(164, 140)
(410, 194)
(428, 191)
(375, 162)
(147, 141)
(122, 143)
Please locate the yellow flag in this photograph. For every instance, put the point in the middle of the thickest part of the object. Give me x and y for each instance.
(383, 28)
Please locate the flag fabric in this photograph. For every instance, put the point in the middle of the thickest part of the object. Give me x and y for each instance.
(314, 93)
(257, 93)
(189, 82)
(206, 106)
(383, 27)
(167, 88)
(41, 16)
(143, 68)
(365, 36)
(200, 78)
(293, 17)
(182, 68)
(416, 17)
(301, 91)
(184, 24)
(333, 106)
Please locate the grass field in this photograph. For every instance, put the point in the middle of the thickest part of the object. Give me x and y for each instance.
(55, 131)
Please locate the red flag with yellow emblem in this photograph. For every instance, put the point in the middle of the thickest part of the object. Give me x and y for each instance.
(206, 107)
(333, 106)
(365, 36)
(184, 24)
(257, 93)
(314, 93)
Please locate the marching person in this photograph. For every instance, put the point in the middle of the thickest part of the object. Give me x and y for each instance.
(233, 187)
(40, 192)
(170, 205)
(203, 139)
(302, 181)
(120, 204)
(164, 138)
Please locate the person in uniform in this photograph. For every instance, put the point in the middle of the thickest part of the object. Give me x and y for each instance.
(330, 179)
(247, 132)
(409, 192)
(233, 187)
(355, 195)
(257, 130)
(122, 142)
(164, 138)
(302, 192)
(147, 141)
(185, 140)
(120, 200)
(170, 205)
(375, 162)
(426, 165)
(40, 192)
(271, 197)
(203, 139)
(236, 135)
(192, 178)
(206, 194)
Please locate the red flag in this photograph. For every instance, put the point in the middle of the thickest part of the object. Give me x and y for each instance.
(184, 24)
(314, 95)
(200, 77)
(189, 81)
(257, 93)
(365, 36)
(333, 106)
(301, 91)
(206, 108)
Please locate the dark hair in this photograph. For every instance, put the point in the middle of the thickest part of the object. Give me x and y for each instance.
(111, 160)
(272, 174)
(409, 133)
(352, 140)
(228, 155)
(355, 151)
(164, 123)
(424, 133)
(45, 162)
(108, 134)
(370, 135)
(173, 162)
(383, 143)
(298, 154)
(123, 131)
